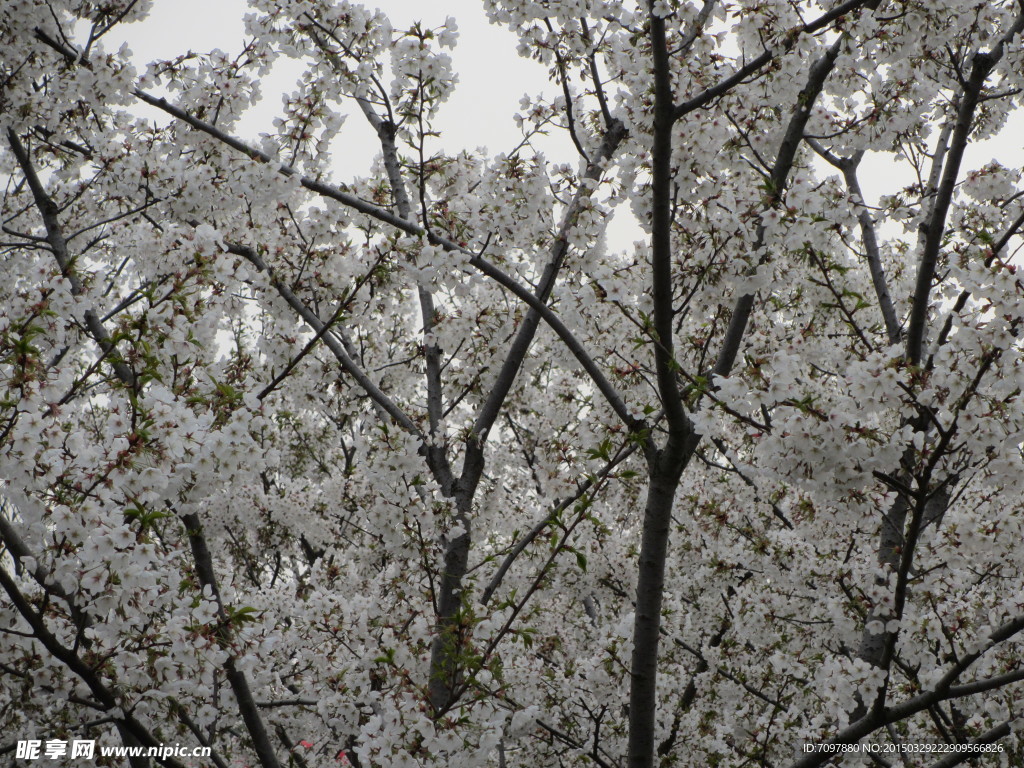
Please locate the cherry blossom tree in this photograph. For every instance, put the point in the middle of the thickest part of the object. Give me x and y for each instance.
(425, 468)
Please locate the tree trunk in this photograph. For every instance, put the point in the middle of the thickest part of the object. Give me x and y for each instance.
(665, 475)
(446, 650)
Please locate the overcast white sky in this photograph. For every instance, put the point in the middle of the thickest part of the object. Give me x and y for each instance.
(493, 78)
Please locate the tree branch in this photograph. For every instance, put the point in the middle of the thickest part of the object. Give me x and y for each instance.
(869, 237)
(58, 245)
(942, 691)
(783, 166)
(661, 234)
(614, 138)
(698, 101)
(386, 134)
(247, 706)
(549, 518)
(981, 66)
(340, 354)
(104, 695)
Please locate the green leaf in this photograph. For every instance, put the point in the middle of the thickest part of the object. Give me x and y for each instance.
(581, 561)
